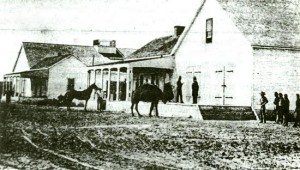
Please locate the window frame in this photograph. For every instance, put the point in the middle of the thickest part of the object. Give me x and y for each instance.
(208, 39)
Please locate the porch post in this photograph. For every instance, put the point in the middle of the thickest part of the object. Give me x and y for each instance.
(4, 87)
(118, 84)
(101, 79)
(127, 83)
(131, 82)
(10, 83)
(5, 84)
(95, 76)
(88, 78)
(108, 88)
(21, 84)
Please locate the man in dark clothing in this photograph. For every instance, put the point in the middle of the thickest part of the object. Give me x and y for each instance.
(276, 102)
(297, 111)
(280, 108)
(123, 91)
(286, 107)
(179, 90)
(195, 89)
(8, 94)
(263, 102)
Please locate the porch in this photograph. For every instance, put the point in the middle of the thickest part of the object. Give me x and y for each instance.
(165, 110)
(24, 84)
(118, 80)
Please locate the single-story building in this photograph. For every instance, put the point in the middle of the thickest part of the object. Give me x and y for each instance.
(44, 70)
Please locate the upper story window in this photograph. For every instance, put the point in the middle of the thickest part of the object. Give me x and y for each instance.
(209, 30)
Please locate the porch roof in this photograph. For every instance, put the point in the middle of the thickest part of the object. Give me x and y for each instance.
(166, 62)
(41, 73)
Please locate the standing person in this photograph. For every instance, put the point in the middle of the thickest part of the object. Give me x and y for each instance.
(263, 102)
(179, 90)
(297, 111)
(276, 102)
(280, 108)
(99, 101)
(123, 91)
(286, 109)
(195, 89)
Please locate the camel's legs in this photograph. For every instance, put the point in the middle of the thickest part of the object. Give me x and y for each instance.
(68, 106)
(132, 104)
(86, 102)
(156, 109)
(151, 108)
(137, 109)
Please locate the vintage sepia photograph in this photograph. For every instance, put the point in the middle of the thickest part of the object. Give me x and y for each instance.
(156, 84)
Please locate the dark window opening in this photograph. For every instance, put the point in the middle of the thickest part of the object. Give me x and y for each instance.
(153, 78)
(71, 84)
(89, 78)
(141, 80)
(209, 30)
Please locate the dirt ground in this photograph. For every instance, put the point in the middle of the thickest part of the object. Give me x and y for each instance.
(58, 139)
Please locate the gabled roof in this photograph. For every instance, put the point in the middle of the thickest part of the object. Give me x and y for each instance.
(126, 51)
(266, 22)
(48, 61)
(114, 56)
(263, 22)
(45, 54)
(157, 47)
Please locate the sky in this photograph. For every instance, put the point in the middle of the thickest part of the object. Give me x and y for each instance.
(132, 23)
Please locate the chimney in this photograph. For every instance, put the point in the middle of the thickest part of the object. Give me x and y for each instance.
(105, 46)
(178, 30)
(96, 42)
(113, 43)
(104, 43)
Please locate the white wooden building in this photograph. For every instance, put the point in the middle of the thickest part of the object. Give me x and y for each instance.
(235, 49)
(44, 70)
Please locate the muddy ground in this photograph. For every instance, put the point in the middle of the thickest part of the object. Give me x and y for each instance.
(40, 137)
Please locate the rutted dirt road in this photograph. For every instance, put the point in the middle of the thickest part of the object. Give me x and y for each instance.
(119, 141)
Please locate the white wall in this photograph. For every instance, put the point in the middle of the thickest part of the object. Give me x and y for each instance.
(276, 70)
(229, 48)
(22, 64)
(27, 87)
(59, 74)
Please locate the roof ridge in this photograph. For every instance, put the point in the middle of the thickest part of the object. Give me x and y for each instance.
(128, 48)
(43, 60)
(58, 44)
(185, 31)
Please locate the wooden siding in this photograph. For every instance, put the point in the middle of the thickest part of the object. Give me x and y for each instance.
(276, 70)
(59, 74)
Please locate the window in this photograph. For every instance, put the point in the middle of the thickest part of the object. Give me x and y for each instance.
(141, 80)
(209, 30)
(71, 83)
(89, 78)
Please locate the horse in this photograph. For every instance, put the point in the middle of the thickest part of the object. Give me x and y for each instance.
(151, 93)
(80, 95)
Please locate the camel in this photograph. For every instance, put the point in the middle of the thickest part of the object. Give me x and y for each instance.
(151, 93)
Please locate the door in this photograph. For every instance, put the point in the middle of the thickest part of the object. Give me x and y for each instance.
(224, 86)
(230, 85)
(219, 86)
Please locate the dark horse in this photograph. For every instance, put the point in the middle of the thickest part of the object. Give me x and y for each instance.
(80, 95)
(151, 93)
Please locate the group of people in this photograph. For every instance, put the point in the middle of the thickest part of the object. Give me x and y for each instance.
(195, 89)
(281, 108)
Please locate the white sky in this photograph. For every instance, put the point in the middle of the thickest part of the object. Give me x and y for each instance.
(132, 23)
